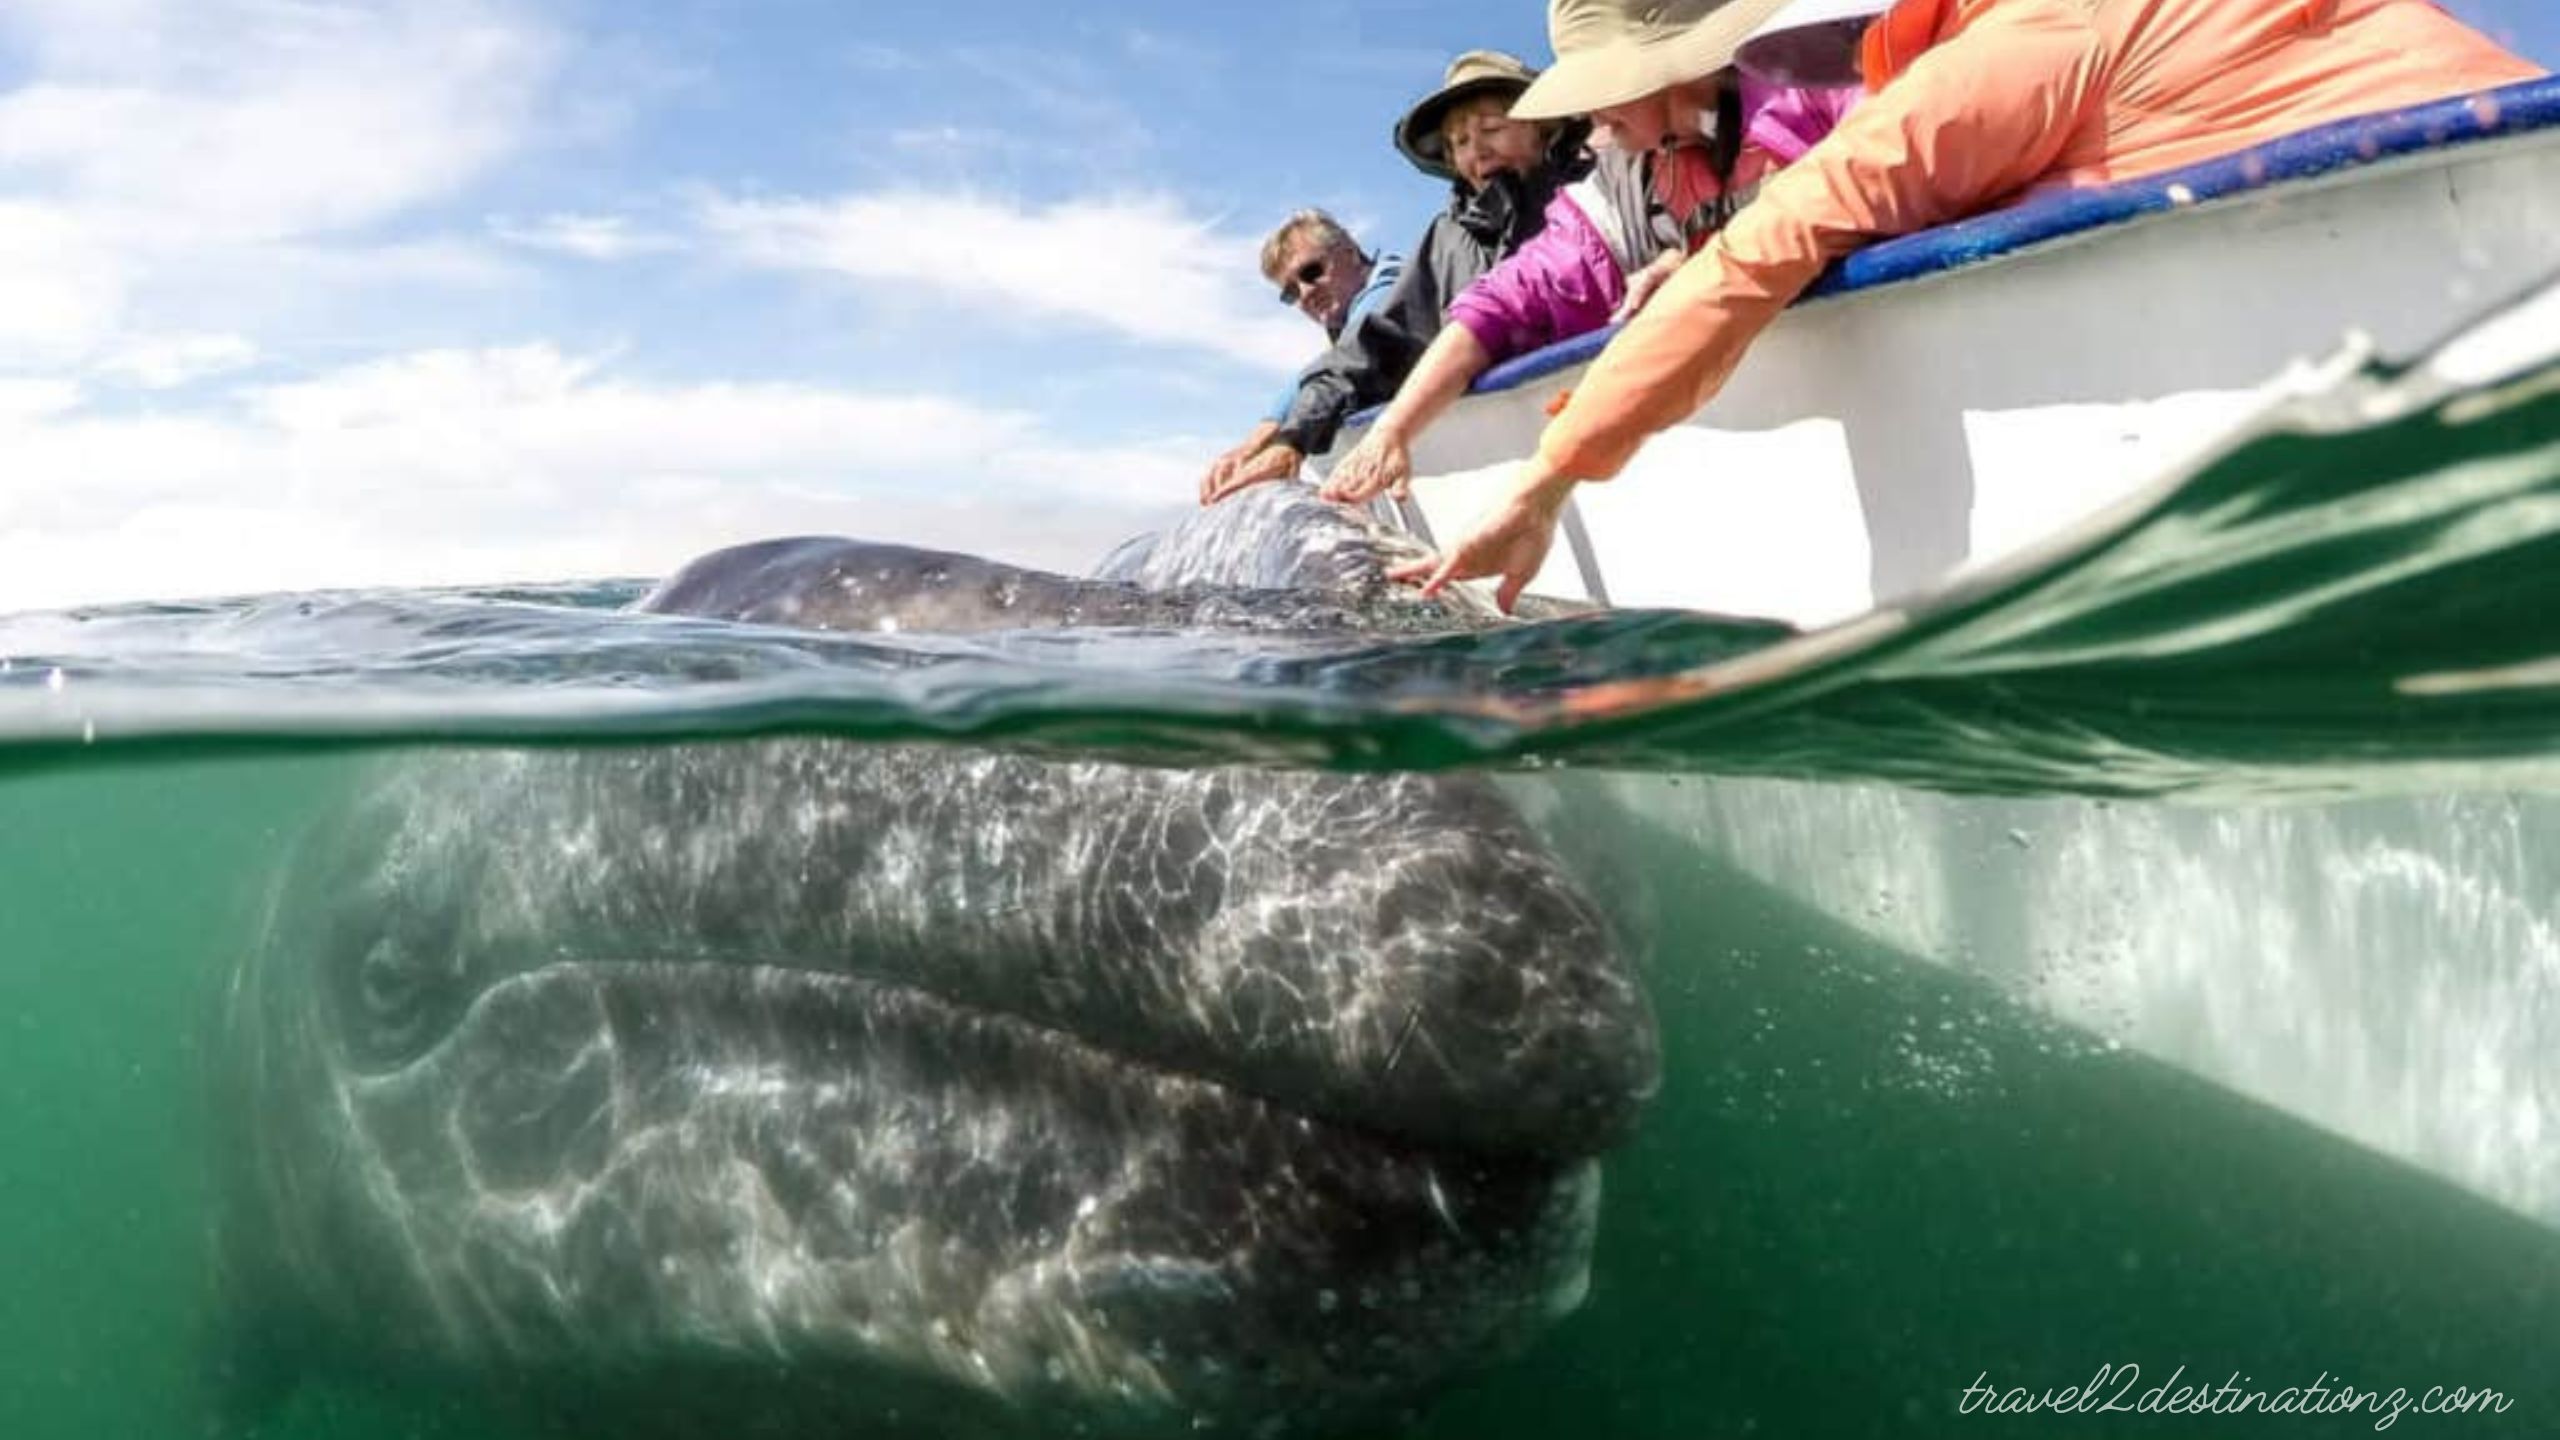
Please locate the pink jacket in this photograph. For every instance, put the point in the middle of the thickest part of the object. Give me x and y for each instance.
(1565, 281)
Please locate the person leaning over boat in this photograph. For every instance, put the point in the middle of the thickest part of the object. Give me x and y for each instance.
(1323, 274)
(1501, 176)
(1971, 104)
(1673, 168)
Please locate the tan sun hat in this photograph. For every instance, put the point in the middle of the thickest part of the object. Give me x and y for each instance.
(1478, 72)
(1811, 42)
(1609, 52)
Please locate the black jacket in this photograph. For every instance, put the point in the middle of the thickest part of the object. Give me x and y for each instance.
(1475, 233)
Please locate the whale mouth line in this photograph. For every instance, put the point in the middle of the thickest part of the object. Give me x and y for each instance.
(778, 991)
(834, 1164)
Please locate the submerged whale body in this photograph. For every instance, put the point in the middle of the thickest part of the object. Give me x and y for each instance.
(806, 1087)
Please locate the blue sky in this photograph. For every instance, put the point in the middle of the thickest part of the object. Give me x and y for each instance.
(327, 292)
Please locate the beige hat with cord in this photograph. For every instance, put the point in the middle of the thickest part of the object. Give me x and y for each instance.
(1478, 72)
(1811, 42)
(1609, 52)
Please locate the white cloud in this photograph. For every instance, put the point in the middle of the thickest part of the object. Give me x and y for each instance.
(61, 291)
(1136, 266)
(292, 120)
(949, 142)
(588, 237)
(160, 144)
(164, 362)
(23, 400)
(530, 464)
(86, 35)
(193, 189)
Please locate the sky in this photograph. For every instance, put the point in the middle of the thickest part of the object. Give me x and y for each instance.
(321, 293)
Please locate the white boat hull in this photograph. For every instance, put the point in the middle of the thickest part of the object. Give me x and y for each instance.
(1878, 441)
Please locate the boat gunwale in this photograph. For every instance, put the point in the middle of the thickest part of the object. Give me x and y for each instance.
(2327, 153)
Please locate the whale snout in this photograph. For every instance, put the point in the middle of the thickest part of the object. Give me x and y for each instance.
(1504, 1018)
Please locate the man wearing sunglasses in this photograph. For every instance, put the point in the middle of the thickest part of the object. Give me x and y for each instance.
(1501, 177)
(1321, 273)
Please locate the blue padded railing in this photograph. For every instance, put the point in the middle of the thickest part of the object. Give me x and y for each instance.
(2327, 149)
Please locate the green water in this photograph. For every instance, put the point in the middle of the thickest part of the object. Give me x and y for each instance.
(1871, 1179)
(1872, 1175)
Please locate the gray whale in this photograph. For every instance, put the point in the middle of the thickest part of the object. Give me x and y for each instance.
(887, 1090)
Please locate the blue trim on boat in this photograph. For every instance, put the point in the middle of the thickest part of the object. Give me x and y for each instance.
(2346, 145)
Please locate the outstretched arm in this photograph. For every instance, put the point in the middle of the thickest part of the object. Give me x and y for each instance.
(1221, 474)
(1979, 118)
(1974, 121)
(1383, 459)
(1507, 545)
(1278, 460)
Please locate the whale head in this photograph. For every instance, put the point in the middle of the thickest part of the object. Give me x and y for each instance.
(868, 1087)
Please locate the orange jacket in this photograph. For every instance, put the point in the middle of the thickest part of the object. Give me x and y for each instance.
(2016, 95)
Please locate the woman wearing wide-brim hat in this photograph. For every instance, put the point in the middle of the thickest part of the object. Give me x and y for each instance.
(1971, 103)
(1679, 163)
(1501, 175)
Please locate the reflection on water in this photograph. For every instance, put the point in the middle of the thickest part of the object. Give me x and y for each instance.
(2387, 968)
(1875, 1175)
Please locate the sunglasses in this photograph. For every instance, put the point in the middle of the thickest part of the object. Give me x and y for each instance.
(1305, 275)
